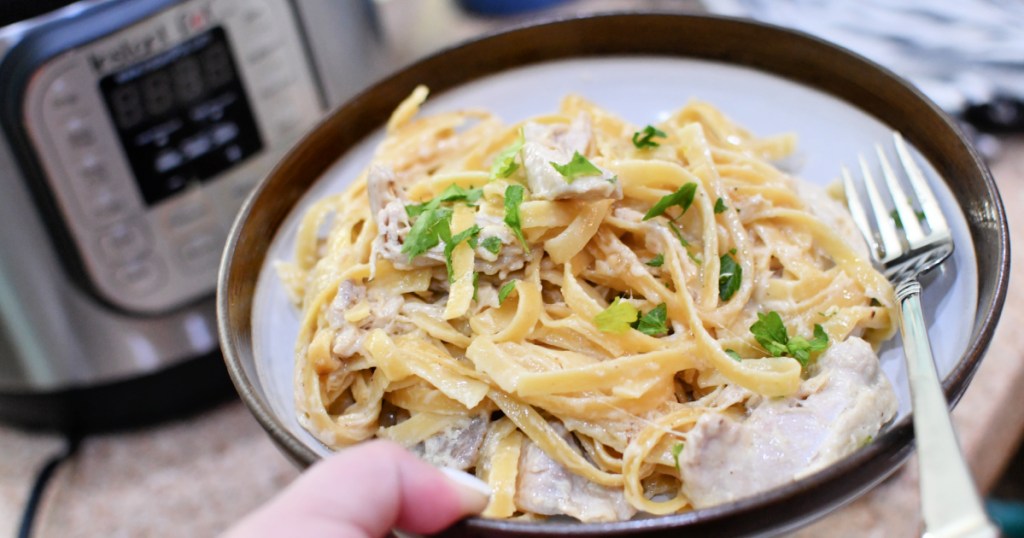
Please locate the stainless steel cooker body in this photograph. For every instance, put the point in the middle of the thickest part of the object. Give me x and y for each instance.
(131, 133)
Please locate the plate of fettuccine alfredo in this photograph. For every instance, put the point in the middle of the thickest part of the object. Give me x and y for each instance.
(622, 289)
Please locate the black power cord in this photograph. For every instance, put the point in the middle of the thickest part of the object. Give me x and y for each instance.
(35, 497)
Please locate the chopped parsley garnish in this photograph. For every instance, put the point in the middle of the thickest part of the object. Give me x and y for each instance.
(453, 193)
(676, 450)
(513, 199)
(657, 261)
(720, 205)
(679, 235)
(506, 290)
(642, 139)
(771, 334)
(695, 259)
(431, 222)
(415, 210)
(617, 318)
(801, 348)
(682, 198)
(451, 241)
(577, 166)
(733, 355)
(492, 244)
(729, 277)
(653, 323)
(505, 162)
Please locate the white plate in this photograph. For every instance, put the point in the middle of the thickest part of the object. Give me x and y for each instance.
(644, 90)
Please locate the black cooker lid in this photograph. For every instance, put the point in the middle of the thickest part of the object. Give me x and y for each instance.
(12, 11)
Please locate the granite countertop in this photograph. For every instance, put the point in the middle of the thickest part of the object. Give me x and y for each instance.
(194, 477)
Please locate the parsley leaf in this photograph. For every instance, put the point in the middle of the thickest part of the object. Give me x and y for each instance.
(729, 277)
(577, 166)
(455, 193)
(657, 261)
(415, 210)
(771, 334)
(617, 318)
(720, 205)
(642, 139)
(800, 348)
(769, 331)
(452, 241)
(695, 259)
(733, 355)
(653, 323)
(492, 244)
(506, 290)
(676, 450)
(431, 222)
(682, 198)
(505, 162)
(679, 235)
(513, 199)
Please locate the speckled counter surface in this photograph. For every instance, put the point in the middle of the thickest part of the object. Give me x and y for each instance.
(196, 476)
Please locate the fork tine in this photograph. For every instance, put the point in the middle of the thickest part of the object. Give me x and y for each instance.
(860, 216)
(886, 227)
(908, 218)
(925, 196)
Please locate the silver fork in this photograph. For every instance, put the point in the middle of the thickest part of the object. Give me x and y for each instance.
(950, 504)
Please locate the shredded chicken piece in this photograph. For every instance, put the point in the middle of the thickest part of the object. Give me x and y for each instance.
(456, 446)
(384, 313)
(837, 410)
(545, 487)
(387, 205)
(348, 337)
(546, 144)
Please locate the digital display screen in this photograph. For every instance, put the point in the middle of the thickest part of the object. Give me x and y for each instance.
(182, 116)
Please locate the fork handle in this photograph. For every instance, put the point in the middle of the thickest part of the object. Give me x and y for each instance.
(950, 504)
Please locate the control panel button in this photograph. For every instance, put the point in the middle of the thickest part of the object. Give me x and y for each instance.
(123, 242)
(256, 16)
(61, 95)
(79, 133)
(93, 171)
(141, 276)
(186, 214)
(106, 204)
(266, 54)
(201, 250)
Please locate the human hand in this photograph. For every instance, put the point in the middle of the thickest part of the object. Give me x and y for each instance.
(365, 491)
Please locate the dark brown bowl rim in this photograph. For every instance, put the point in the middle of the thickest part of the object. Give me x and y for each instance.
(804, 59)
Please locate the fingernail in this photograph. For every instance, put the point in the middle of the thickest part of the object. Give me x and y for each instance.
(474, 494)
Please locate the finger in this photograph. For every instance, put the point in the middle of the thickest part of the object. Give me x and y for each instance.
(365, 491)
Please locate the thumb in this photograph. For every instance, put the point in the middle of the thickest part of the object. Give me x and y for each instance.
(365, 491)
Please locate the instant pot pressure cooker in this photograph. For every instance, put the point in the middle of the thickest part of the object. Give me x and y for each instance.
(132, 130)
